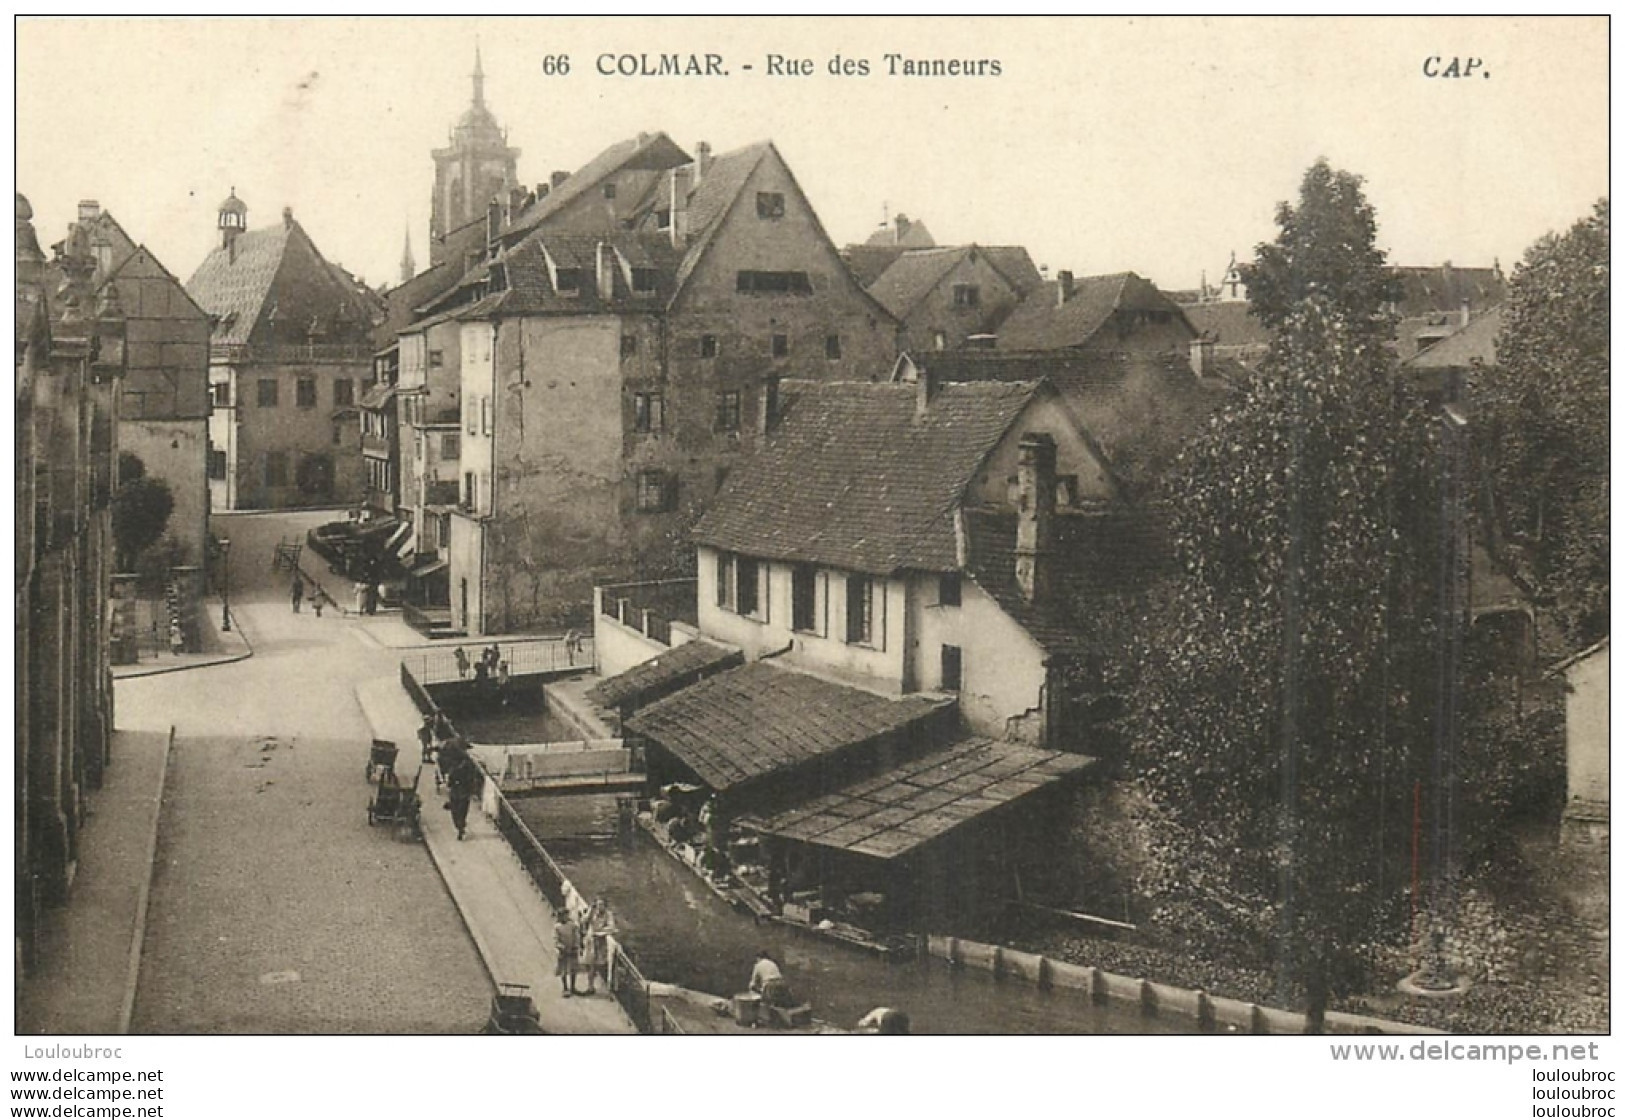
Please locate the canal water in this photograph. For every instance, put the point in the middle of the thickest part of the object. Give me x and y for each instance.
(679, 932)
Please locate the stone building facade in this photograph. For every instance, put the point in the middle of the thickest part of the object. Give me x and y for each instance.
(69, 364)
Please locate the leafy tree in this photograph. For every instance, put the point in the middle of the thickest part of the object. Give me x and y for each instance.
(1288, 681)
(141, 509)
(1544, 412)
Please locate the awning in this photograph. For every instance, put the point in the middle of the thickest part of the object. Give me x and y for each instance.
(753, 721)
(893, 813)
(428, 568)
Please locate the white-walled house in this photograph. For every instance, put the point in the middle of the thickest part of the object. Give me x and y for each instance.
(1585, 676)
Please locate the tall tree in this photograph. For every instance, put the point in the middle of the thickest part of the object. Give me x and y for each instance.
(1289, 685)
(1545, 415)
(141, 509)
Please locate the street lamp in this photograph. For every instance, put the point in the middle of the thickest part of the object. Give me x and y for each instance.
(225, 585)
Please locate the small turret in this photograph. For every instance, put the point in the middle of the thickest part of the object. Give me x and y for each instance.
(232, 221)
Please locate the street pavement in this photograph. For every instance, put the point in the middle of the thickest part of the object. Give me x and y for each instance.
(274, 907)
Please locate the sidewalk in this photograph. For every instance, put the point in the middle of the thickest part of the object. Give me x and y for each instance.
(84, 982)
(220, 648)
(506, 915)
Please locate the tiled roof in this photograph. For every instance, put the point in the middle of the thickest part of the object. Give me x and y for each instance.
(912, 276)
(914, 235)
(1041, 322)
(1473, 343)
(1016, 265)
(1446, 287)
(714, 197)
(530, 288)
(660, 676)
(646, 151)
(232, 286)
(893, 813)
(1228, 322)
(867, 262)
(854, 479)
(1096, 556)
(759, 719)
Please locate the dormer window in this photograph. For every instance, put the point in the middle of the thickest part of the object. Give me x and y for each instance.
(663, 219)
(967, 295)
(609, 191)
(644, 279)
(769, 204)
(567, 281)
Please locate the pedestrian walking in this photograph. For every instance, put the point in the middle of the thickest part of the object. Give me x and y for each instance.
(596, 931)
(567, 945)
(461, 656)
(426, 737)
(298, 592)
(463, 783)
(317, 599)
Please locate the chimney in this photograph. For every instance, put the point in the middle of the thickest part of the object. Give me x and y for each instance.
(517, 197)
(493, 222)
(1202, 355)
(769, 405)
(287, 217)
(557, 178)
(702, 160)
(900, 227)
(606, 271)
(925, 388)
(1063, 290)
(541, 190)
(682, 180)
(1466, 311)
(1035, 496)
(89, 210)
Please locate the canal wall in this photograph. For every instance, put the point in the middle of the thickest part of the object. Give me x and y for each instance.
(1207, 1012)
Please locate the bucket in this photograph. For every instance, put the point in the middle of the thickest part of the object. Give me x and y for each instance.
(747, 1009)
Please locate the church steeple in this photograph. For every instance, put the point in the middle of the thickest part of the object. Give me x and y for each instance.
(479, 77)
(409, 267)
(474, 168)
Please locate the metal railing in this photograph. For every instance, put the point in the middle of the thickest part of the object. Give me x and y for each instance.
(525, 657)
(651, 607)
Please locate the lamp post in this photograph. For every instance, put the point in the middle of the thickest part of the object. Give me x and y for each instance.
(225, 585)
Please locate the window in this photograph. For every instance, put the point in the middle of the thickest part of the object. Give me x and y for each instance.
(781, 346)
(437, 359)
(648, 412)
(629, 345)
(220, 394)
(645, 279)
(276, 468)
(750, 584)
(952, 669)
(657, 491)
(663, 219)
(708, 345)
(860, 610)
(217, 462)
(967, 295)
(803, 597)
(769, 204)
(338, 434)
(470, 490)
(568, 280)
(343, 391)
(775, 282)
(832, 346)
(267, 392)
(948, 589)
(472, 412)
(726, 561)
(609, 190)
(728, 410)
(305, 392)
(939, 340)
(485, 415)
(451, 445)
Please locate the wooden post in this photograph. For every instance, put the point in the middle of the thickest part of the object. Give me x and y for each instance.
(1148, 998)
(1259, 1025)
(1204, 1012)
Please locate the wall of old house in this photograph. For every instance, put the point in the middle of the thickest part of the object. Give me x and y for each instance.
(878, 664)
(1139, 332)
(1002, 671)
(1587, 713)
(937, 312)
(177, 452)
(1073, 456)
(465, 555)
(326, 431)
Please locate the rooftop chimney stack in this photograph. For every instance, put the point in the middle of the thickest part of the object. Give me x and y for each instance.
(1035, 515)
(605, 262)
(493, 223)
(1063, 290)
(702, 160)
(682, 181)
(89, 210)
(1466, 311)
(557, 179)
(287, 217)
(926, 383)
(1202, 355)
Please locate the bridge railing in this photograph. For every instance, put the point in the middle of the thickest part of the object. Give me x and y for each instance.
(525, 657)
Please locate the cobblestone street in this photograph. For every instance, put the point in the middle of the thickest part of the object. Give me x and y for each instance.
(275, 908)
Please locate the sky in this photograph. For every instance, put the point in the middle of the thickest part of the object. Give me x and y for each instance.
(1155, 145)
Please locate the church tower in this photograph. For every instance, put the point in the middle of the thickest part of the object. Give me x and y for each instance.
(409, 267)
(476, 167)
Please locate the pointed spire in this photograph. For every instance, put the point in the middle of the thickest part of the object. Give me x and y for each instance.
(479, 75)
(409, 267)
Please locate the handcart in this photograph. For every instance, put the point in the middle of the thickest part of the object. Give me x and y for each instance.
(394, 803)
(381, 760)
(513, 1011)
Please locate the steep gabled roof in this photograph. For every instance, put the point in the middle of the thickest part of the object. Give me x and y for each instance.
(1473, 343)
(867, 262)
(644, 152)
(232, 283)
(1043, 322)
(1227, 322)
(915, 273)
(714, 197)
(854, 479)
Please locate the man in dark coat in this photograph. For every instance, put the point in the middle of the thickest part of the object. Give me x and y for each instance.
(463, 780)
